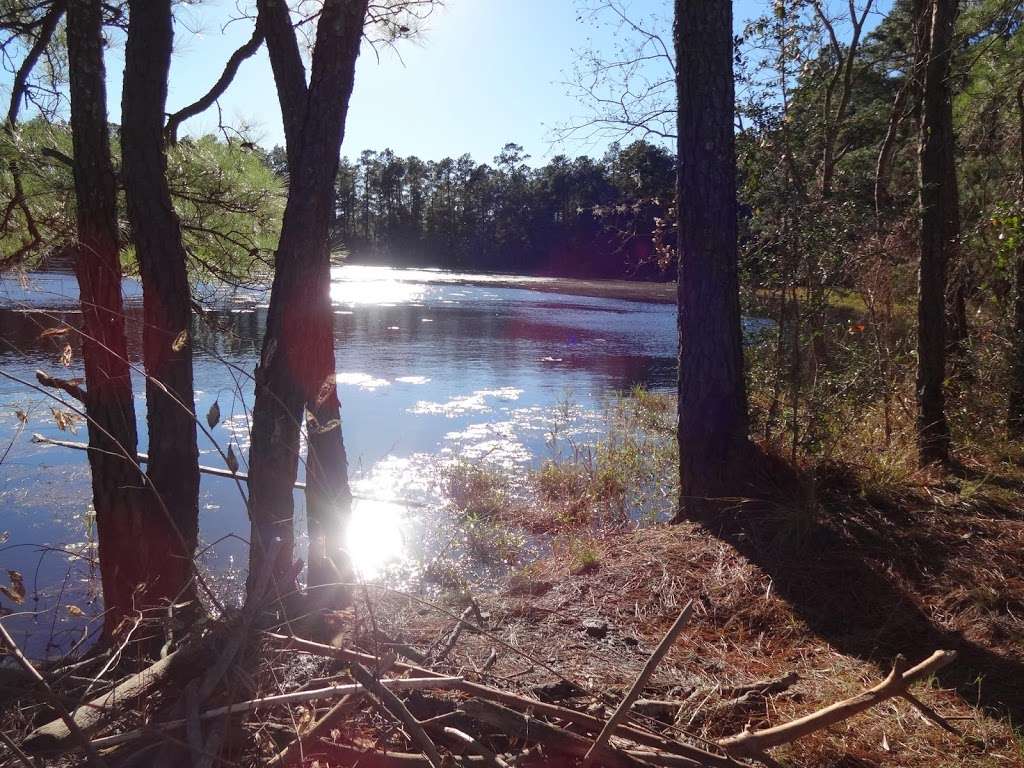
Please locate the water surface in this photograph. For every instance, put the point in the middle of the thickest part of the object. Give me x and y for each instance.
(433, 367)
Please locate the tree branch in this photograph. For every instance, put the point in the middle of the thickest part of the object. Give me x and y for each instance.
(199, 106)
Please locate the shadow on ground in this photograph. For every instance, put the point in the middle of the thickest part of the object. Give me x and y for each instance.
(876, 575)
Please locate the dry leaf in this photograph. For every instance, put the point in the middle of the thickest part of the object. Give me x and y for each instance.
(58, 331)
(232, 461)
(65, 356)
(885, 744)
(213, 415)
(180, 341)
(65, 420)
(74, 610)
(22, 416)
(16, 592)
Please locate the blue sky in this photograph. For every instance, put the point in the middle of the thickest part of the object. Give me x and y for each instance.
(482, 73)
(485, 72)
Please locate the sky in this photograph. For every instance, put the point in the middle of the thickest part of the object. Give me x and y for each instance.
(482, 73)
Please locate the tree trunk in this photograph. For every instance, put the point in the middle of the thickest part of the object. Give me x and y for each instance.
(296, 370)
(118, 494)
(1015, 417)
(173, 466)
(712, 395)
(939, 220)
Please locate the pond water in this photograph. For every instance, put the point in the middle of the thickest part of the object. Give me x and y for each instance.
(433, 367)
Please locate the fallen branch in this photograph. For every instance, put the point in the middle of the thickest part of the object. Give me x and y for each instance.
(296, 697)
(638, 685)
(92, 756)
(538, 731)
(489, 757)
(349, 755)
(452, 638)
(394, 705)
(523, 703)
(754, 743)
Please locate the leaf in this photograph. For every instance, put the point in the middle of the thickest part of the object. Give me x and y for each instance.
(65, 356)
(74, 610)
(4, 536)
(16, 592)
(213, 415)
(232, 461)
(22, 416)
(57, 331)
(180, 341)
(65, 420)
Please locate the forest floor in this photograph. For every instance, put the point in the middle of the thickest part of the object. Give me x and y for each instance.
(834, 607)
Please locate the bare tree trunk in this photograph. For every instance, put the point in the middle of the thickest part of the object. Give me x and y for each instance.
(712, 434)
(1015, 417)
(173, 466)
(296, 370)
(939, 219)
(121, 503)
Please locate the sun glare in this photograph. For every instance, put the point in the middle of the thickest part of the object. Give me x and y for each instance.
(374, 537)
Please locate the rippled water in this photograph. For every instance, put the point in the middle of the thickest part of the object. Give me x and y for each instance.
(432, 367)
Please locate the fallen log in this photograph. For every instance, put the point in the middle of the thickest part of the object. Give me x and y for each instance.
(755, 743)
(56, 736)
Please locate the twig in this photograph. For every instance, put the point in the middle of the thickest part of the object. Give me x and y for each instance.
(349, 755)
(324, 724)
(453, 637)
(90, 716)
(521, 703)
(92, 756)
(395, 706)
(22, 758)
(405, 684)
(489, 757)
(538, 731)
(752, 743)
(75, 390)
(638, 685)
(218, 472)
(930, 713)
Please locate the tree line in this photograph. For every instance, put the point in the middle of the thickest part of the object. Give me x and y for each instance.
(582, 216)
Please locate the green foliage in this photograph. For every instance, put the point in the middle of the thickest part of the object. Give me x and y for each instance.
(229, 201)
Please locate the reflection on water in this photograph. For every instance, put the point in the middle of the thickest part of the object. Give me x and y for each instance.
(433, 367)
(375, 536)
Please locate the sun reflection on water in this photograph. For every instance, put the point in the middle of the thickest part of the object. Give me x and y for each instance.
(374, 537)
(373, 285)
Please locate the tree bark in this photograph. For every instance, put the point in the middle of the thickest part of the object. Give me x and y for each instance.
(296, 370)
(939, 224)
(712, 394)
(1015, 417)
(173, 467)
(120, 501)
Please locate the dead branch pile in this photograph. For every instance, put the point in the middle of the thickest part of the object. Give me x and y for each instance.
(346, 705)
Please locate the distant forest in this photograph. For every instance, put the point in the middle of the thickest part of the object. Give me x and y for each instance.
(579, 217)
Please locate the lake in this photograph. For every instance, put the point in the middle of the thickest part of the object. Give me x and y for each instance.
(433, 367)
